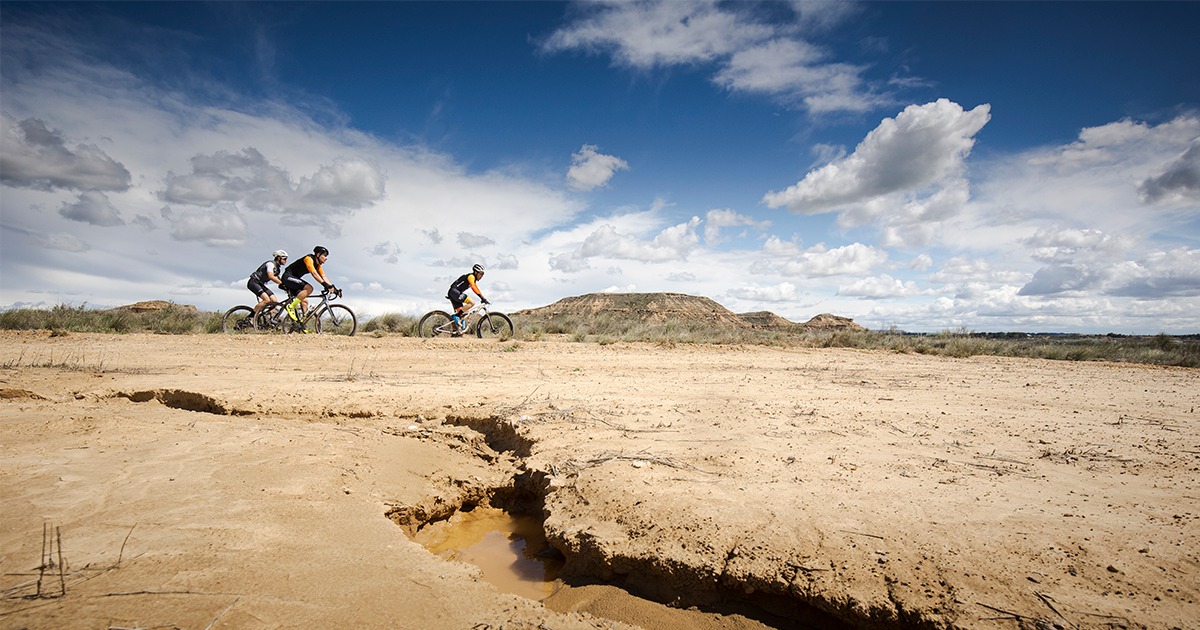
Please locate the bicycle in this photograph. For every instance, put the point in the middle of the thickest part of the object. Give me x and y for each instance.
(323, 317)
(480, 320)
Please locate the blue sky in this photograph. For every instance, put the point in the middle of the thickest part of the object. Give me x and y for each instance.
(1006, 166)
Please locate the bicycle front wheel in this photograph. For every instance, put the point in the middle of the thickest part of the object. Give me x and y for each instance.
(434, 324)
(271, 318)
(337, 319)
(238, 320)
(494, 326)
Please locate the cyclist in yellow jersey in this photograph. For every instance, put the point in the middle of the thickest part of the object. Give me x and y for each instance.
(458, 294)
(293, 280)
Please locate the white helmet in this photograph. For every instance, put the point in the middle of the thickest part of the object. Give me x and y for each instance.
(279, 253)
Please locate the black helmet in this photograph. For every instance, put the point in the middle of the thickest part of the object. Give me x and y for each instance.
(318, 250)
(477, 269)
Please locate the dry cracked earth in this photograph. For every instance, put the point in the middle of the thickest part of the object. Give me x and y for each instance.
(153, 481)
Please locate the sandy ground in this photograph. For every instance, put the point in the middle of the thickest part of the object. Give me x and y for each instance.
(274, 482)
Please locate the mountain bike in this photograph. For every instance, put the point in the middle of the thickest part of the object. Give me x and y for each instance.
(480, 320)
(323, 317)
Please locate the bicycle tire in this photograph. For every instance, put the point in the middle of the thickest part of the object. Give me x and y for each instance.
(271, 318)
(433, 324)
(238, 320)
(494, 326)
(337, 319)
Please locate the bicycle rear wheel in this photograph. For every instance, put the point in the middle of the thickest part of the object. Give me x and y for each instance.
(337, 319)
(494, 326)
(434, 324)
(238, 320)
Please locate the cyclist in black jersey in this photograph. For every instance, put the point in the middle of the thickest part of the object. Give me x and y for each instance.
(269, 271)
(458, 294)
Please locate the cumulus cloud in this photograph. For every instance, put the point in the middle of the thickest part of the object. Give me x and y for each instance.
(38, 158)
(673, 243)
(819, 261)
(591, 169)
(1177, 180)
(93, 208)
(922, 146)
(754, 53)
(670, 244)
(1174, 273)
(249, 179)
(474, 241)
(782, 292)
(881, 287)
(387, 250)
(221, 226)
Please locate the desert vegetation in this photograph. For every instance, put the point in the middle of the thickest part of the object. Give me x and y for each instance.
(627, 324)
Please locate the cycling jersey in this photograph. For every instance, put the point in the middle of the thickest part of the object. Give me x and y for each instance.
(304, 266)
(464, 282)
(458, 290)
(293, 276)
(265, 271)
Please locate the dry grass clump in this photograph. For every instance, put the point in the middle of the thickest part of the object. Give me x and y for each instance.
(605, 329)
(391, 323)
(173, 319)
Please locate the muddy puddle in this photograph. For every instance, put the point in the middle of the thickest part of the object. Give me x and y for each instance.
(510, 550)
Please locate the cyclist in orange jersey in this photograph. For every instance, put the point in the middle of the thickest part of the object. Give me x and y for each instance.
(293, 280)
(458, 294)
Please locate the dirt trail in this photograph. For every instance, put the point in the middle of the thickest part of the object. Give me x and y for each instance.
(209, 481)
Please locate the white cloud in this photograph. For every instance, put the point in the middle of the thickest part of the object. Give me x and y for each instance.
(881, 287)
(715, 220)
(649, 34)
(474, 241)
(591, 169)
(222, 226)
(753, 53)
(782, 292)
(93, 208)
(1177, 180)
(924, 146)
(249, 179)
(672, 243)
(36, 157)
(796, 72)
(819, 261)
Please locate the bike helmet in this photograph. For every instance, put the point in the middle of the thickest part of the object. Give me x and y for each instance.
(477, 269)
(318, 250)
(279, 253)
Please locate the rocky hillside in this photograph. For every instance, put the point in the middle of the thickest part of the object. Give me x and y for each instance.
(659, 307)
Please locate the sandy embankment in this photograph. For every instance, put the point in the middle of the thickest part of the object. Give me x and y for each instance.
(208, 481)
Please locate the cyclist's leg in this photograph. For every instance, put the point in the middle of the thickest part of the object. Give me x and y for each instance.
(456, 301)
(294, 287)
(303, 297)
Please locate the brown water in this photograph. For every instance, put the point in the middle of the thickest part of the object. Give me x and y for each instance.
(511, 551)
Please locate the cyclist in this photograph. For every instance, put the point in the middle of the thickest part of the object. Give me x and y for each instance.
(293, 280)
(266, 272)
(458, 295)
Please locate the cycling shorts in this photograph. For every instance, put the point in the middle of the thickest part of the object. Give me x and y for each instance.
(292, 284)
(258, 288)
(457, 299)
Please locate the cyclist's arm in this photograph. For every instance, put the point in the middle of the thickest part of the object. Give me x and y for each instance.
(474, 287)
(273, 278)
(317, 272)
